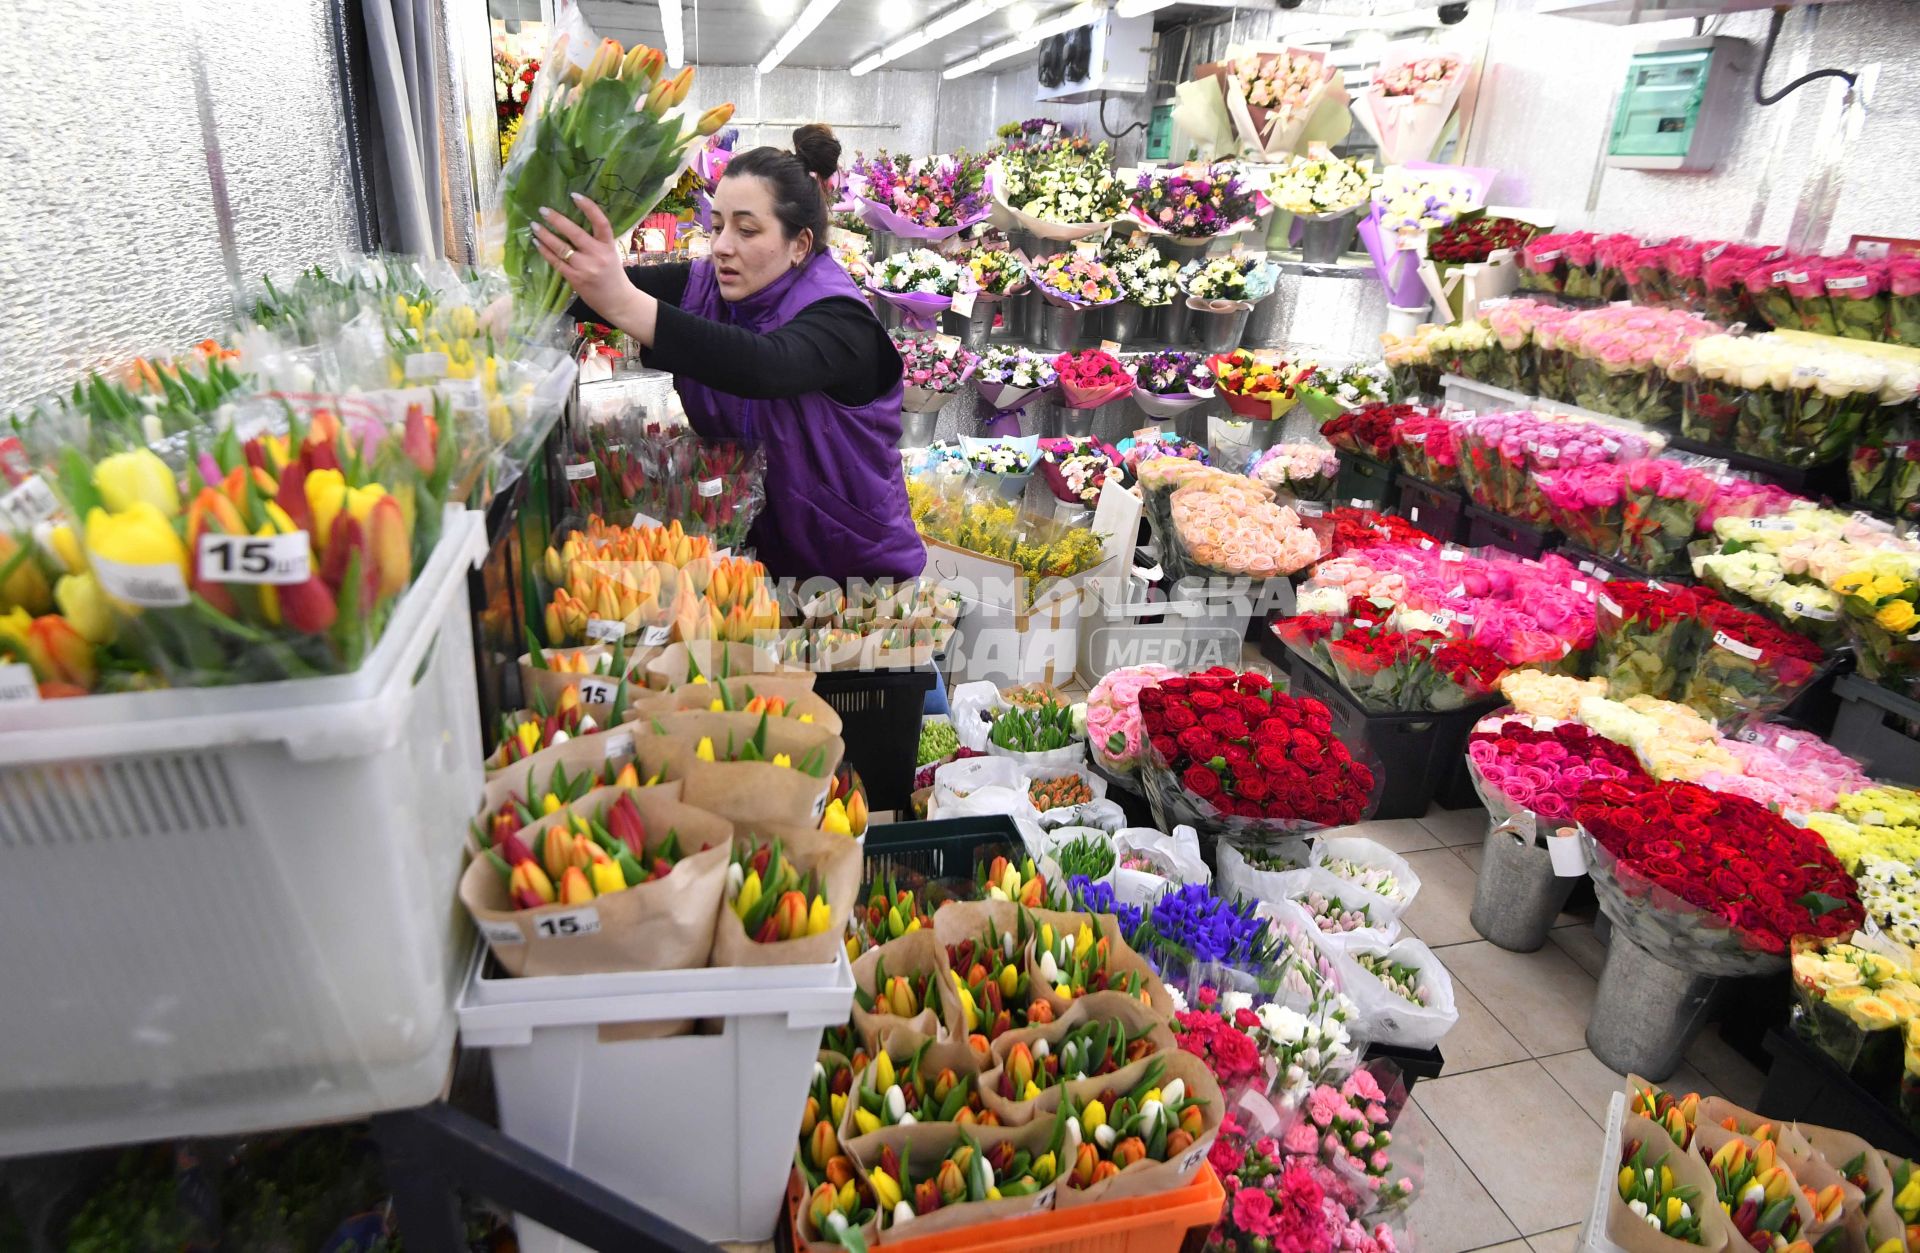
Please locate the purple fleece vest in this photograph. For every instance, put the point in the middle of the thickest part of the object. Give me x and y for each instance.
(836, 500)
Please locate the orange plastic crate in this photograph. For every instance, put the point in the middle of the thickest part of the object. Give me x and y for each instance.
(1140, 1224)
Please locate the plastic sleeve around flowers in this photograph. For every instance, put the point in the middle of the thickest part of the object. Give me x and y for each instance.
(1671, 930)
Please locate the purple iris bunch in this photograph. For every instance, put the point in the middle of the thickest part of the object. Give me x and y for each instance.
(1098, 898)
(1193, 206)
(1172, 373)
(1208, 928)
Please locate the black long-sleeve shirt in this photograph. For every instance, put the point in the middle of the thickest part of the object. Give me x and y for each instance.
(835, 346)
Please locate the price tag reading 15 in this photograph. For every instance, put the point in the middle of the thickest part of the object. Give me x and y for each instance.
(280, 560)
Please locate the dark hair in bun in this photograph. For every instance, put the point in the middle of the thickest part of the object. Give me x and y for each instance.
(796, 194)
(818, 150)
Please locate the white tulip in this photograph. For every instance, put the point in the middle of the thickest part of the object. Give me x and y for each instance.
(907, 1120)
(896, 1102)
(1174, 1092)
(1048, 969)
(1040, 1049)
(1150, 1117)
(836, 1222)
(902, 1213)
(1104, 1135)
(561, 737)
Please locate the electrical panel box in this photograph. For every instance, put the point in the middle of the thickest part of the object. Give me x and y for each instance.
(1160, 133)
(1110, 54)
(1680, 105)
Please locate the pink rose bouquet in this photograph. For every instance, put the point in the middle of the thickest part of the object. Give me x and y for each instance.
(1114, 733)
(1517, 765)
(933, 368)
(1224, 528)
(1091, 378)
(1303, 471)
(1499, 454)
(1585, 503)
(1664, 501)
(1903, 300)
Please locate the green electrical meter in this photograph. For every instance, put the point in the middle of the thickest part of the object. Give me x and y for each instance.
(1160, 133)
(1680, 105)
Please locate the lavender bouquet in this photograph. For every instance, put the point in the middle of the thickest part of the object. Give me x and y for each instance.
(926, 198)
(1010, 379)
(1169, 383)
(1194, 205)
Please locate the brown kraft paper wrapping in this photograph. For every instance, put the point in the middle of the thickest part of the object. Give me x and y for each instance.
(668, 671)
(900, 1044)
(926, 1145)
(1121, 960)
(1841, 1147)
(752, 791)
(798, 693)
(1094, 1007)
(664, 925)
(1709, 1136)
(810, 1239)
(1811, 1169)
(1144, 1177)
(914, 953)
(1630, 1232)
(648, 754)
(1717, 1109)
(968, 920)
(836, 859)
(541, 683)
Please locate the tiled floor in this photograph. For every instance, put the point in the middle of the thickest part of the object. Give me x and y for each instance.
(1506, 1140)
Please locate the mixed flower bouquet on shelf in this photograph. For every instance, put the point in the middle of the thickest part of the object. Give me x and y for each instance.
(929, 198)
(1144, 277)
(933, 369)
(1408, 206)
(1356, 384)
(1173, 374)
(1518, 766)
(1423, 440)
(1073, 281)
(1222, 283)
(1646, 636)
(1009, 379)
(1062, 191)
(994, 274)
(1091, 378)
(1321, 184)
(1303, 471)
(1194, 202)
(1224, 524)
(1076, 468)
(1369, 430)
(1041, 549)
(1707, 882)
(1231, 754)
(612, 132)
(1406, 103)
(1256, 388)
(1748, 668)
(921, 284)
(1792, 403)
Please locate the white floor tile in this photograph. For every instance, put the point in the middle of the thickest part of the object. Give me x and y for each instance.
(1542, 997)
(1491, 1117)
(1588, 1081)
(1580, 943)
(1559, 1240)
(1450, 1212)
(1457, 826)
(1478, 1040)
(1438, 914)
(1399, 835)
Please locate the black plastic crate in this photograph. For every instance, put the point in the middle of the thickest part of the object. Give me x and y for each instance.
(1417, 754)
(1828, 481)
(1439, 511)
(881, 711)
(1363, 482)
(1805, 1084)
(1487, 529)
(1413, 1064)
(944, 851)
(1880, 727)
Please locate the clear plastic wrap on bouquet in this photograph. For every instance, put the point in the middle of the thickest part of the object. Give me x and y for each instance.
(1735, 680)
(1664, 498)
(1672, 930)
(1848, 1001)
(1638, 657)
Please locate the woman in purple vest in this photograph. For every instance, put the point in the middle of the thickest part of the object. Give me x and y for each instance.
(770, 342)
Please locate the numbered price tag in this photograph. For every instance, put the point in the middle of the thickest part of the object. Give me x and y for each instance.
(1110, 346)
(710, 487)
(598, 691)
(642, 521)
(1309, 508)
(151, 586)
(619, 744)
(16, 684)
(1609, 604)
(963, 303)
(28, 505)
(606, 630)
(275, 560)
(581, 470)
(1735, 647)
(655, 636)
(1452, 554)
(498, 933)
(567, 924)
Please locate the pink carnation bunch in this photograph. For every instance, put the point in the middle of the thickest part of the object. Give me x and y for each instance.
(1113, 714)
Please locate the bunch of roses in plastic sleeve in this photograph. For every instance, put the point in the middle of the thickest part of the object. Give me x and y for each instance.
(1586, 503)
(1647, 635)
(1218, 1029)
(1852, 297)
(1672, 740)
(1351, 528)
(1303, 471)
(1398, 671)
(1518, 766)
(1280, 91)
(1321, 183)
(1708, 882)
(1115, 733)
(1747, 667)
(1663, 500)
(931, 193)
(1879, 593)
(1423, 441)
(1500, 453)
(1885, 477)
(1514, 359)
(1792, 403)
(1789, 771)
(1076, 467)
(1879, 820)
(1145, 277)
(1194, 204)
(1464, 348)
(1410, 362)
(1629, 361)
(1230, 525)
(1573, 263)
(1476, 237)
(1226, 745)
(1368, 431)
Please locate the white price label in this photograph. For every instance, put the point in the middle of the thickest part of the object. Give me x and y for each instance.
(568, 924)
(598, 691)
(16, 684)
(963, 303)
(1607, 603)
(426, 365)
(29, 504)
(1784, 743)
(1873, 818)
(1656, 585)
(1110, 346)
(578, 470)
(1413, 513)
(619, 744)
(710, 487)
(1426, 544)
(1578, 585)
(655, 636)
(1551, 254)
(1735, 647)
(1713, 252)
(1459, 589)
(1309, 508)
(606, 630)
(498, 932)
(1465, 619)
(1850, 283)
(154, 586)
(1452, 554)
(1797, 276)
(274, 560)
(643, 521)
(1357, 503)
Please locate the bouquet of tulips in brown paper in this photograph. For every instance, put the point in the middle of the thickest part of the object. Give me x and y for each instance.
(752, 768)
(912, 1079)
(1104, 1035)
(906, 983)
(693, 663)
(789, 893)
(929, 1178)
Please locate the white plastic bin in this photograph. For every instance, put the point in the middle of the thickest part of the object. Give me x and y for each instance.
(700, 1129)
(226, 909)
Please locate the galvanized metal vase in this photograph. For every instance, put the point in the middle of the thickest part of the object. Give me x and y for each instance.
(916, 429)
(1325, 238)
(1221, 332)
(1518, 895)
(1646, 1012)
(1061, 327)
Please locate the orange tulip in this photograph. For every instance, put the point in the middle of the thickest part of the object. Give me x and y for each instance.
(1129, 1151)
(1178, 1142)
(1104, 1171)
(389, 547)
(1085, 1159)
(822, 1146)
(68, 654)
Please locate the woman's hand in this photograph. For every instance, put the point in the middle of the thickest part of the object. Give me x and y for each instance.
(590, 263)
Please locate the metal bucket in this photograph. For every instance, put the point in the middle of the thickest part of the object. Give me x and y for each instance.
(1191, 425)
(1325, 239)
(1646, 1012)
(971, 331)
(1063, 420)
(1060, 327)
(1127, 322)
(1518, 895)
(1018, 316)
(916, 429)
(1181, 250)
(1178, 323)
(1221, 332)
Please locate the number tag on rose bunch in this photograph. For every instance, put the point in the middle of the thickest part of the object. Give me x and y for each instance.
(269, 560)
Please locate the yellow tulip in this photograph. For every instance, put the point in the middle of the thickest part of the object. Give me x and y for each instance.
(127, 477)
(66, 548)
(704, 750)
(26, 588)
(783, 761)
(326, 497)
(140, 536)
(85, 606)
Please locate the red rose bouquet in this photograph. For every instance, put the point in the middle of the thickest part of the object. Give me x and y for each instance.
(1423, 440)
(1393, 671)
(1518, 766)
(1368, 430)
(1708, 882)
(1748, 668)
(1230, 753)
(1646, 635)
(1091, 378)
(1351, 529)
(1475, 237)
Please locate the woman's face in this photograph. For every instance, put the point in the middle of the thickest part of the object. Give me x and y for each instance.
(750, 249)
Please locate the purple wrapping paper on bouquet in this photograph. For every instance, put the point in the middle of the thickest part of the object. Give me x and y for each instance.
(881, 218)
(919, 310)
(1399, 270)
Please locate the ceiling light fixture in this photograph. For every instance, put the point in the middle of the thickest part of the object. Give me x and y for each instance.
(671, 33)
(954, 19)
(804, 25)
(895, 13)
(1140, 8)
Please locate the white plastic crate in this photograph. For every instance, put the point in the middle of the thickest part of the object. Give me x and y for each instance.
(699, 1129)
(226, 909)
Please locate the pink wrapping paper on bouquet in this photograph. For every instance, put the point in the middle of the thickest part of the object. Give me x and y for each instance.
(1271, 97)
(1408, 99)
(1090, 379)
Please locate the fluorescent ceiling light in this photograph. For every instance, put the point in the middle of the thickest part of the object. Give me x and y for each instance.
(804, 25)
(895, 13)
(1139, 8)
(1085, 13)
(947, 23)
(671, 33)
(1020, 15)
(776, 8)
